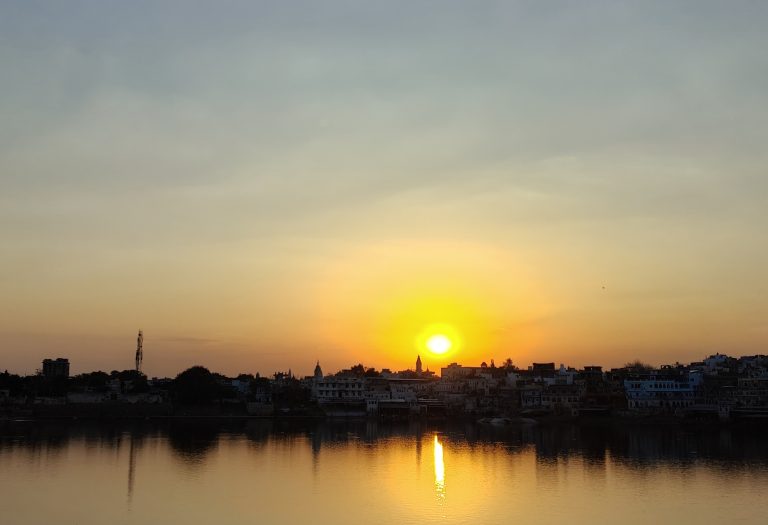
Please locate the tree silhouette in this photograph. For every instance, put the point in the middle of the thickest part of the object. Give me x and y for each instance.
(638, 366)
(196, 385)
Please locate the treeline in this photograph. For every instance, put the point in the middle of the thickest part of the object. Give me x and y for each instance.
(194, 386)
(200, 386)
(38, 385)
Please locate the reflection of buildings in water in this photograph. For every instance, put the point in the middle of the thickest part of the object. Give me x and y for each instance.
(41, 443)
(592, 447)
(596, 468)
(558, 446)
(655, 445)
(258, 431)
(371, 430)
(418, 450)
(528, 434)
(316, 441)
(724, 441)
(439, 469)
(553, 443)
(193, 441)
(547, 473)
(131, 468)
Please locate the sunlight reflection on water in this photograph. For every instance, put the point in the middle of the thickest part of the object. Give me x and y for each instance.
(439, 469)
(349, 473)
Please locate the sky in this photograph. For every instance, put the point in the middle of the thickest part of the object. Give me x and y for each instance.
(261, 185)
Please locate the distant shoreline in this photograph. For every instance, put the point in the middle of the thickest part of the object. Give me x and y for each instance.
(514, 422)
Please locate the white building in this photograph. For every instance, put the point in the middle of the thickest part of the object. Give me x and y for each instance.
(339, 389)
(658, 391)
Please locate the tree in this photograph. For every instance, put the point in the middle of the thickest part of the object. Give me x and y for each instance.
(139, 385)
(638, 366)
(15, 384)
(127, 375)
(131, 381)
(94, 381)
(196, 385)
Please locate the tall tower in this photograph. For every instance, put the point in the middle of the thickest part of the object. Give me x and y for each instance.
(139, 351)
(418, 364)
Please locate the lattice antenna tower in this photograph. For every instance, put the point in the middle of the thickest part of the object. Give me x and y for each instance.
(139, 351)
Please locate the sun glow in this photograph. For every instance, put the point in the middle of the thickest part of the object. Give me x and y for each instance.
(439, 344)
(439, 339)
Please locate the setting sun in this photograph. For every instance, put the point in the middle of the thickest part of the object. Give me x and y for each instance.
(439, 339)
(439, 344)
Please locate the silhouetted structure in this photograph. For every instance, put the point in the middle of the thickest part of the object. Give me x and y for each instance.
(56, 367)
(717, 388)
(139, 351)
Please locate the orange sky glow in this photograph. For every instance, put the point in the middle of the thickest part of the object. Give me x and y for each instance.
(258, 189)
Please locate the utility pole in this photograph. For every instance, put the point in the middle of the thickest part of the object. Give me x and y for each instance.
(139, 351)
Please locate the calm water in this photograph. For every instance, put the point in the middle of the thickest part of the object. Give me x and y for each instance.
(353, 473)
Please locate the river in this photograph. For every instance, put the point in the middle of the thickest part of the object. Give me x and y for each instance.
(358, 472)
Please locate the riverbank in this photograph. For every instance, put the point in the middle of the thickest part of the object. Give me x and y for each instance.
(108, 413)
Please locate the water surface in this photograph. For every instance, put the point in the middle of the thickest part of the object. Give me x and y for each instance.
(360, 472)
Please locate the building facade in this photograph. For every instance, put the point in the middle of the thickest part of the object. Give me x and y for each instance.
(56, 367)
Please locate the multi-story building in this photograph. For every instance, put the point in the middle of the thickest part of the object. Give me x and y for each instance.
(56, 367)
(562, 397)
(531, 397)
(752, 392)
(334, 388)
(662, 390)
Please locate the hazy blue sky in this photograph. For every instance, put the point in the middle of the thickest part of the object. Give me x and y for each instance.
(262, 184)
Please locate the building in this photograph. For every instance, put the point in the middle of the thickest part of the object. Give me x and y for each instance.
(338, 388)
(335, 389)
(664, 390)
(562, 397)
(455, 371)
(56, 367)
